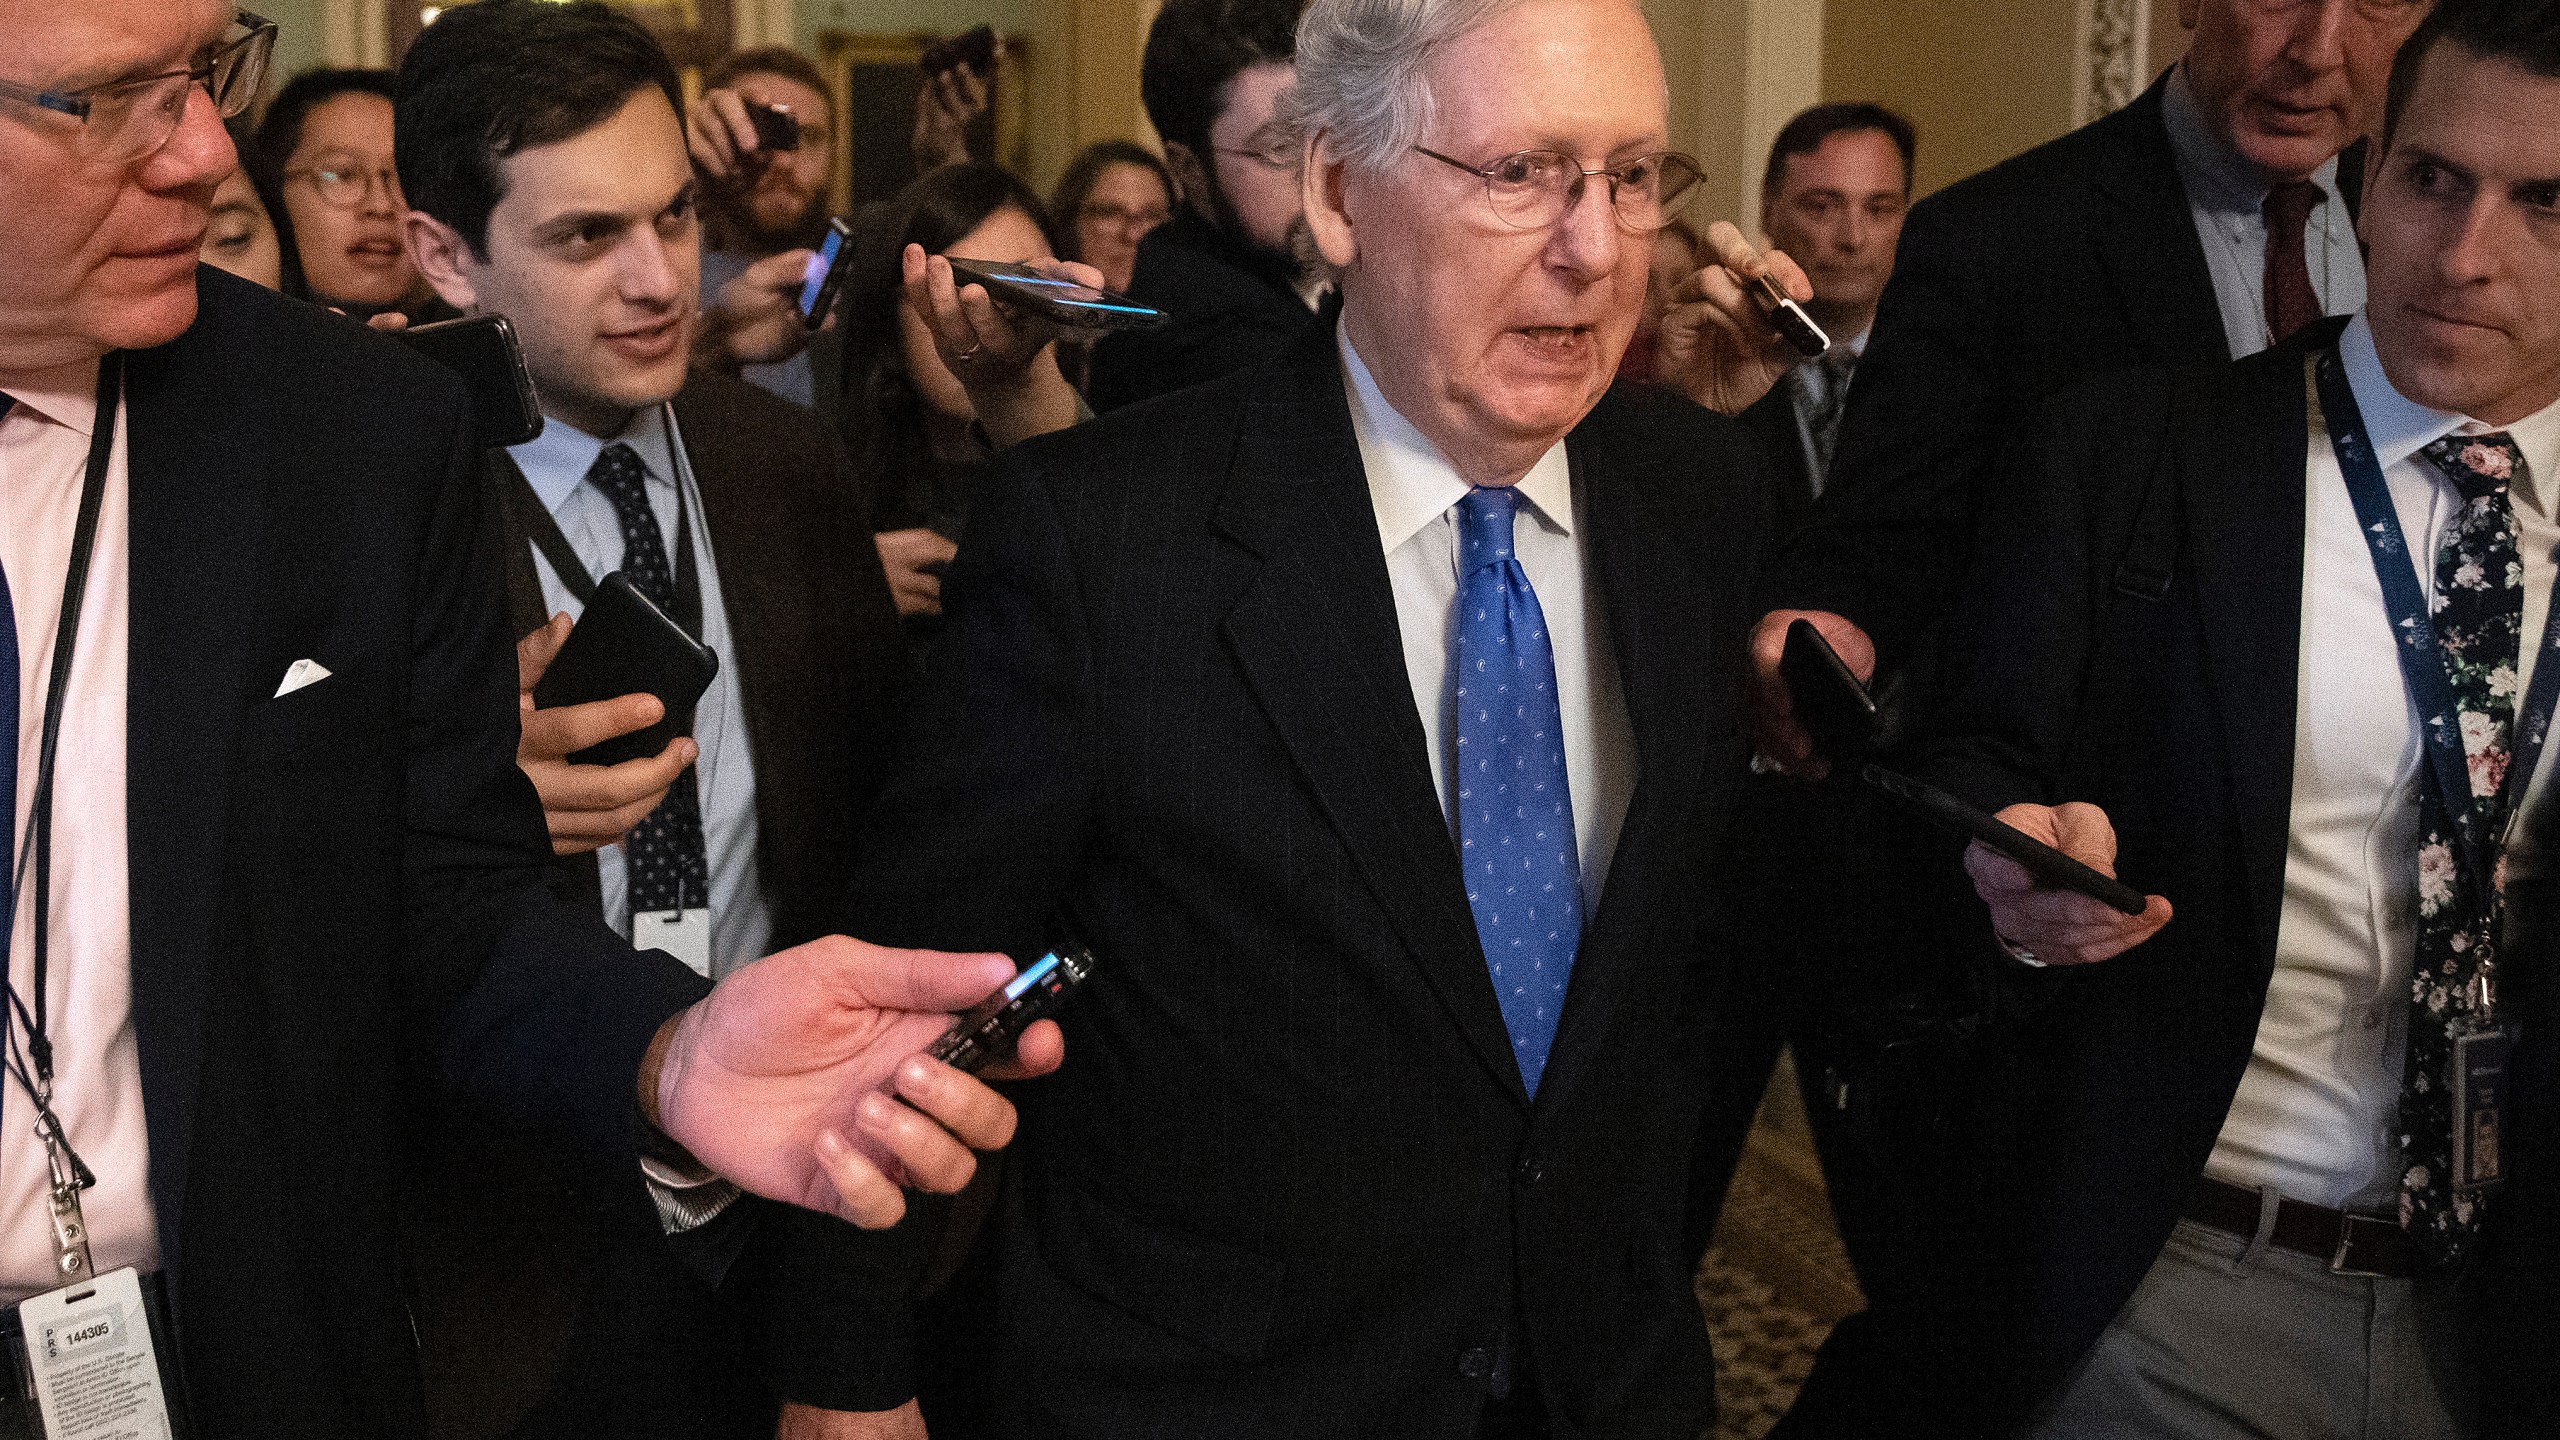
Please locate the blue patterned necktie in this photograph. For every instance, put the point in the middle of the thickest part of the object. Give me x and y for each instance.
(669, 868)
(1515, 808)
(2479, 621)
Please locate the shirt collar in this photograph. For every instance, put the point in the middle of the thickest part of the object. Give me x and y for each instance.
(2399, 427)
(556, 461)
(2217, 177)
(67, 395)
(1411, 483)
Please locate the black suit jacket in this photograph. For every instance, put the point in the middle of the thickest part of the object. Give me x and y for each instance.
(549, 1304)
(1291, 1184)
(2076, 258)
(1786, 450)
(1231, 309)
(2103, 1095)
(337, 894)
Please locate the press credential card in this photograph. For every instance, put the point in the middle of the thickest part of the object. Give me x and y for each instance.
(89, 1348)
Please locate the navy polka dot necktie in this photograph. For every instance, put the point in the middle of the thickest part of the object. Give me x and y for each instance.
(669, 868)
(1515, 807)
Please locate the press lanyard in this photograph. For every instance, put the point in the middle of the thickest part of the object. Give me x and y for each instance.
(2421, 654)
(30, 1046)
(536, 518)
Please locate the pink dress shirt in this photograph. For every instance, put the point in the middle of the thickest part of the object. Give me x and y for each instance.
(44, 449)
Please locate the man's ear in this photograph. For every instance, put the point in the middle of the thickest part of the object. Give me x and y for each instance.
(1190, 177)
(1320, 189)
(437, 249)
(2189, 11)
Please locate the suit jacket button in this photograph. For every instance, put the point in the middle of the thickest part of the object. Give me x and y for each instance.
(1475, 1364)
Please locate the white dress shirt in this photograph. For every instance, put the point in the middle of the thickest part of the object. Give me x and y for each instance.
(44, 452)
(1415, 491)
(2316, 1110)
(2227, 196)
(556, 463)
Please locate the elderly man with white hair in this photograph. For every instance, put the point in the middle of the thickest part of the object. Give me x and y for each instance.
(1372, 715)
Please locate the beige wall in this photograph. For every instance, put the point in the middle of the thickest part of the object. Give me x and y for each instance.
(1981, 79)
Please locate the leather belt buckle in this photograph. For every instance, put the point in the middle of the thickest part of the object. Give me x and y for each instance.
(2350, 1226)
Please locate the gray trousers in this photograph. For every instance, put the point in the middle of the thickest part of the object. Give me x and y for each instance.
(2232, 1340)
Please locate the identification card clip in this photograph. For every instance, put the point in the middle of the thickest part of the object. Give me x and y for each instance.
(92, 1361)
(685, 934)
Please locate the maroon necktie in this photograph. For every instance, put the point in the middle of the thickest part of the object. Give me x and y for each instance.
(2290, 303)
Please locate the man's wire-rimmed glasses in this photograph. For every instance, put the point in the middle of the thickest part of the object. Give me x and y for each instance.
(1533, 189)
(125, 120)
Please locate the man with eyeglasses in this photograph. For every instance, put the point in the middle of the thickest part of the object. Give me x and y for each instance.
(283, 878)
(1231, 266)
(1371, 713)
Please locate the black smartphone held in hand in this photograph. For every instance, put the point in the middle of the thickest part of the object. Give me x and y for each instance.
(987, 1033)
(1835, 708)
(777, 129)
(2050, 866)
(1789, 320)
(826, 273)
(1060, 302)
(483, 351)
(624, 645)
(971, 49)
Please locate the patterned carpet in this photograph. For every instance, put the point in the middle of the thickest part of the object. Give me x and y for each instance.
(1776, 1280)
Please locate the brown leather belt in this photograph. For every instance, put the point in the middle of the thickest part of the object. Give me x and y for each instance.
(2370, 1245)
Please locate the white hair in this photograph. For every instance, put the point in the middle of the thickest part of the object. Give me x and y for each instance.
(1360, 70)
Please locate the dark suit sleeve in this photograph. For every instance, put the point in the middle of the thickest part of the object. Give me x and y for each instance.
(1996, 724)
(536, 1015)
(1886, 546)
(973, 842)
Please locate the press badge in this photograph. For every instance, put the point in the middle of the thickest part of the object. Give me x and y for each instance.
(89, 1350)
(685, 934)
(2480, 1108)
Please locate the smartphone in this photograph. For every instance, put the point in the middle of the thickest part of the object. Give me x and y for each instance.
(2050, 866)
(974, 49)
(1061, 302)
(483, 351)
(1792, 324)
(986, 1034)
(777, 129)
(826, 273)
(1835, 708)
(624, 645)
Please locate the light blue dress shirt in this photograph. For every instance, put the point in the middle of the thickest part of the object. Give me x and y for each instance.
(2227, 197)
(556, 463)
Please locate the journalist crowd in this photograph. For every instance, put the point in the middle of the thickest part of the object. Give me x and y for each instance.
(654, 802)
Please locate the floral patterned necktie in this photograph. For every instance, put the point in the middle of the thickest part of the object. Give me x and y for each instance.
(2479, 620)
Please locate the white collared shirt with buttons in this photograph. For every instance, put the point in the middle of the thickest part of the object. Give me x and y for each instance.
(2316, 1111)
(1415, 491)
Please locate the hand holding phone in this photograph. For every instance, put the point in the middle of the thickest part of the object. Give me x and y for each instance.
(587, 807)
(777, 129)
(2043, 924)
(624, 645)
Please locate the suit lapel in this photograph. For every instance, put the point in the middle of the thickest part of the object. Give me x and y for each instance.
(1662, 636)
(1315, 633)
(2242, 456)
(198, 519)
(2150, 245)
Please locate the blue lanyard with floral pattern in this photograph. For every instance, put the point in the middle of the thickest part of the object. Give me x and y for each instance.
(2421, 657)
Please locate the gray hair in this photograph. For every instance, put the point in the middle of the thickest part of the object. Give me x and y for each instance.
(1360, 70)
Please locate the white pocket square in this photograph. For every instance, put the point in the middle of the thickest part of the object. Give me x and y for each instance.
(300, 674)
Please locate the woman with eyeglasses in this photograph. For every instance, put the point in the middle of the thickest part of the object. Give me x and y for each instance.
(329, 134)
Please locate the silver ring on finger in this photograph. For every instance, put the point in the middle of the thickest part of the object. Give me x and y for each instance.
(2021, 953)
(965, 356)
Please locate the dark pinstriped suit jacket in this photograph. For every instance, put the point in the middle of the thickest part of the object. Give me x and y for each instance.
(1289, 1183)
